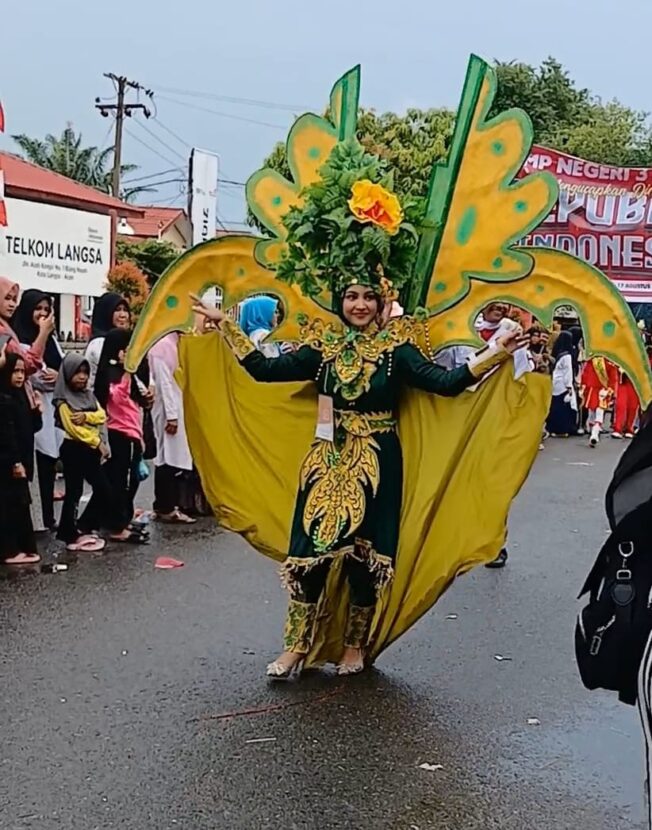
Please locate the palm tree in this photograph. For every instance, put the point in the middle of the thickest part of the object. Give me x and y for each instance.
(66, 155)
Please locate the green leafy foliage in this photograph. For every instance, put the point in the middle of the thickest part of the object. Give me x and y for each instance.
(151, 256)
(67, 155)
(328, 247)
(565, 117)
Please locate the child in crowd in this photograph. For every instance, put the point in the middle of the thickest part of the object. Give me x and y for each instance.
(124, 397)
(20, 418)
(83, 452)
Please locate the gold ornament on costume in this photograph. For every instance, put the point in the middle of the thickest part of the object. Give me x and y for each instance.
(337, 477)
(240, 344)
(371, 202)
(356, 354)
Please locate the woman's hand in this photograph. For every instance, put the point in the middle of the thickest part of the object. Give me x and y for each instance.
(46, 324)
(18, 471)
(172, 426)
(215, 315)
(49, 375)
(148, 397)
(78, 418)
(514, 341)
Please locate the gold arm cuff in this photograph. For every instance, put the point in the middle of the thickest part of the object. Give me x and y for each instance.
(487, 359)
(236, 339)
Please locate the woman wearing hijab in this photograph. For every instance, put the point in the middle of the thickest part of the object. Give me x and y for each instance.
(83, 453)
(358, 434)
(562, 419)
(34, 306)
(111, 311)
(33, 356)
(173, 457)
(123, 397)
(258, 316)
(20, 420)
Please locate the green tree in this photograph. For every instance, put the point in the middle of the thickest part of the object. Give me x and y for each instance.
(151, 256)
(66, 154)
(564, 117)
(547, 94)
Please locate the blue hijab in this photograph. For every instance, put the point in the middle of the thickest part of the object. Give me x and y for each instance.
(257, 313)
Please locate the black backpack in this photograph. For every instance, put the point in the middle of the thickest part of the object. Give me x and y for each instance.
(613, 629)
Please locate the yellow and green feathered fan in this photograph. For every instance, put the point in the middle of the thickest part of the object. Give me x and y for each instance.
(464, 458)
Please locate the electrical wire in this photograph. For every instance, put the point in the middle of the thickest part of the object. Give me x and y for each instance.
(154, 175)
(223, 114)
(250, 102)
(156, 138)
(151, 149)
(171, 132)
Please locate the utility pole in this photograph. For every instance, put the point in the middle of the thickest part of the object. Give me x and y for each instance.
(121, 110)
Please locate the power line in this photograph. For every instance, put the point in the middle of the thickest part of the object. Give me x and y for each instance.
(160, 140)
(250, 102)
(160, 184)
(154, 175)
(171, 132)
(167, 201)
(151, 149)
(223, 114)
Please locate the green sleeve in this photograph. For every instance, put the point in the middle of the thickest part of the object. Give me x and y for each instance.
(297, 366)
(301, 365)
(416, 371)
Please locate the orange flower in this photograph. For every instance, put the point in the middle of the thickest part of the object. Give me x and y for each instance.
(371, 202)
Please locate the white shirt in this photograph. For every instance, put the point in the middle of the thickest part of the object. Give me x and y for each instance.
(92, 354)
(269, 349)
(168, 406)
(562, 375)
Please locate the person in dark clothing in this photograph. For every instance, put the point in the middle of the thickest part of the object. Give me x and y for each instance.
(19, 420)
(110, 311)
(577, 349)
(562, 418)
(35, 305)
(124, 397)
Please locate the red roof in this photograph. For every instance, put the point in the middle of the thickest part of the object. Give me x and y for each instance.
(24, 180)
(155, 220)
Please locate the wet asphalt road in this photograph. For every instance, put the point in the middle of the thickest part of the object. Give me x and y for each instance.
(115, 677)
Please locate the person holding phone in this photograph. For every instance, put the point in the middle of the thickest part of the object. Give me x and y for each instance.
(33, 355)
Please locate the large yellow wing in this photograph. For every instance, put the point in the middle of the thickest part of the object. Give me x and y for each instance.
(469, 253)
(229, 263)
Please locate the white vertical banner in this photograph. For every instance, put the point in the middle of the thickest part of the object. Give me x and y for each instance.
(202, 208)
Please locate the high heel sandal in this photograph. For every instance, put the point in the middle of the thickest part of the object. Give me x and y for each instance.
(345, 669)
(279, 671)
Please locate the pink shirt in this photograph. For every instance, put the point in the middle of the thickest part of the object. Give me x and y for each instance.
(123, 413)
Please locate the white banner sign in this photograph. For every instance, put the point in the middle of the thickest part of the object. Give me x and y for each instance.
(204, 169)
(55, 249)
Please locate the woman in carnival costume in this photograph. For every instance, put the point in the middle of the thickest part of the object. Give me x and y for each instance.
(350, 489)
(400, 491)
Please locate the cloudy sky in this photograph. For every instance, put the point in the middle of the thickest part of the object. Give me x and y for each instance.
(208, 61)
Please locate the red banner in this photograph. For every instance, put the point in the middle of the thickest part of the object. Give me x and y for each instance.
(604, 216)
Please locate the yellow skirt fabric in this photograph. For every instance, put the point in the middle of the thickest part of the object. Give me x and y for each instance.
(464, 460)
